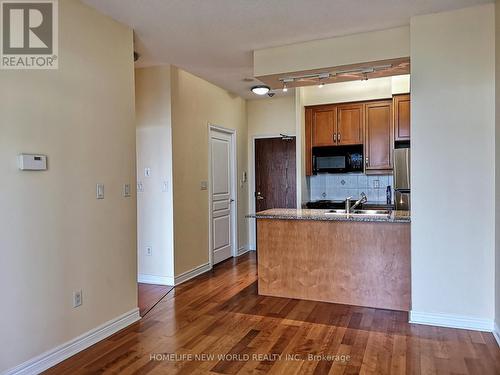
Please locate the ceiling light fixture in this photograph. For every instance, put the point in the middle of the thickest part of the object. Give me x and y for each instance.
(285, 89)
(260, 89)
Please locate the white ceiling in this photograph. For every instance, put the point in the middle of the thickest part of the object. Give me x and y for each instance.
(214, 39)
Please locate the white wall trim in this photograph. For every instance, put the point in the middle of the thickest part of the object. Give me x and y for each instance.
(496, 333)
(188, 275)
(60, 353)
(243, 250)
(451, 321)
(155, 279)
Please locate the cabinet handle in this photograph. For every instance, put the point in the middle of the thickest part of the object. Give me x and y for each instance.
(339, 137)
(334, 137)
(366, 161)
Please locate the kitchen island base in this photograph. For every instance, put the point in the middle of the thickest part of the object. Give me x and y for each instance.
(354, 263)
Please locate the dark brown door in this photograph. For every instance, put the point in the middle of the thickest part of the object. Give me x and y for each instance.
(350, 124)
(378, 136)
(275, 184)
(402, 117)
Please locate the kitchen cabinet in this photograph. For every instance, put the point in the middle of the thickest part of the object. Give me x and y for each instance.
(308, 141)
(401, 104)
(379, 142)
(349, 124)
(324, 125)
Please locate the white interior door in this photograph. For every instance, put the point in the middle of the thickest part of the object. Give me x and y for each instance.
(222, 212)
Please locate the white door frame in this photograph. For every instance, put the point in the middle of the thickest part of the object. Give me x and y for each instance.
(234, 190)
(251, 186)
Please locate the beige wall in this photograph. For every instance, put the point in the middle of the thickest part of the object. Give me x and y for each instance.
(195, 104)
(453, 178)
(324, 53)
(352, 91)
(154, 151)
(55, 237)
(266, 117)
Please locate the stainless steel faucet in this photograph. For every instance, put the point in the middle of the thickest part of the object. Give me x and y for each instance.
(348, 207)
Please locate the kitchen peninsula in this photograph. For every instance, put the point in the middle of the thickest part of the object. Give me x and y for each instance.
(323, 256)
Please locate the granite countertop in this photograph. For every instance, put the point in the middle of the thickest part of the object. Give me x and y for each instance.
(316, 214)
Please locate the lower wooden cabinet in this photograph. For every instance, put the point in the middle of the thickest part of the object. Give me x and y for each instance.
(379, 141)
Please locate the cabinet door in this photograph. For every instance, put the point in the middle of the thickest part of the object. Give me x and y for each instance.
(401, 117)
(350, 124)
(323, 126)
(378, 136)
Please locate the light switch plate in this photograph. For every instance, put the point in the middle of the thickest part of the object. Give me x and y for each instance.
(147, 172)
(100, 191)
(126, 190)
(77, 298)
(140, 187)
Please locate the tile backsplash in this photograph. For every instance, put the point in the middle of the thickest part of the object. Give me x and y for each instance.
(341, 186)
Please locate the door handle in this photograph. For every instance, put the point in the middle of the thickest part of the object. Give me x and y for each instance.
(258, 196)
(231, 200)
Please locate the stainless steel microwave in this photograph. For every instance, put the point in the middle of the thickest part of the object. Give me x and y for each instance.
(337, 159)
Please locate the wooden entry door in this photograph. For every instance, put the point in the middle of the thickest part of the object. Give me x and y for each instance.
(275, 183)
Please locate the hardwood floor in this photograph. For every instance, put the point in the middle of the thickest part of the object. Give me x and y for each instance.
(150, 295)
(220, 313)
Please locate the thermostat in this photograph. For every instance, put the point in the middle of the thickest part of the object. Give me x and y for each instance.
(32, 162)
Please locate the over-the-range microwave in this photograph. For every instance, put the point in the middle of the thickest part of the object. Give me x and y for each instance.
(337, 159)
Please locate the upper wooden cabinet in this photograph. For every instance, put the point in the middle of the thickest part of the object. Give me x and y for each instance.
(350, 124)
(375, 124)
(401, 105)
(336, 125)
(324, 123)
(379, 143)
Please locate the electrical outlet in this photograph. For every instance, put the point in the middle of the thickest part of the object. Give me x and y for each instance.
(204, 185)
(140, 187)
(376, 184)
(77, 298)
(149, 251)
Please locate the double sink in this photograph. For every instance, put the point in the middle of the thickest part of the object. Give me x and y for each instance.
(359, 212)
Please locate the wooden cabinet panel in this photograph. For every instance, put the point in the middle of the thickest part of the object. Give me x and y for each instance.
(378, 136)
(401, 105)
(323, 126)
(308, 141)
(350, 124)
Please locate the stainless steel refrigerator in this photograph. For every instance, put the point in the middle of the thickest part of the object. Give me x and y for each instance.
(402, 185)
